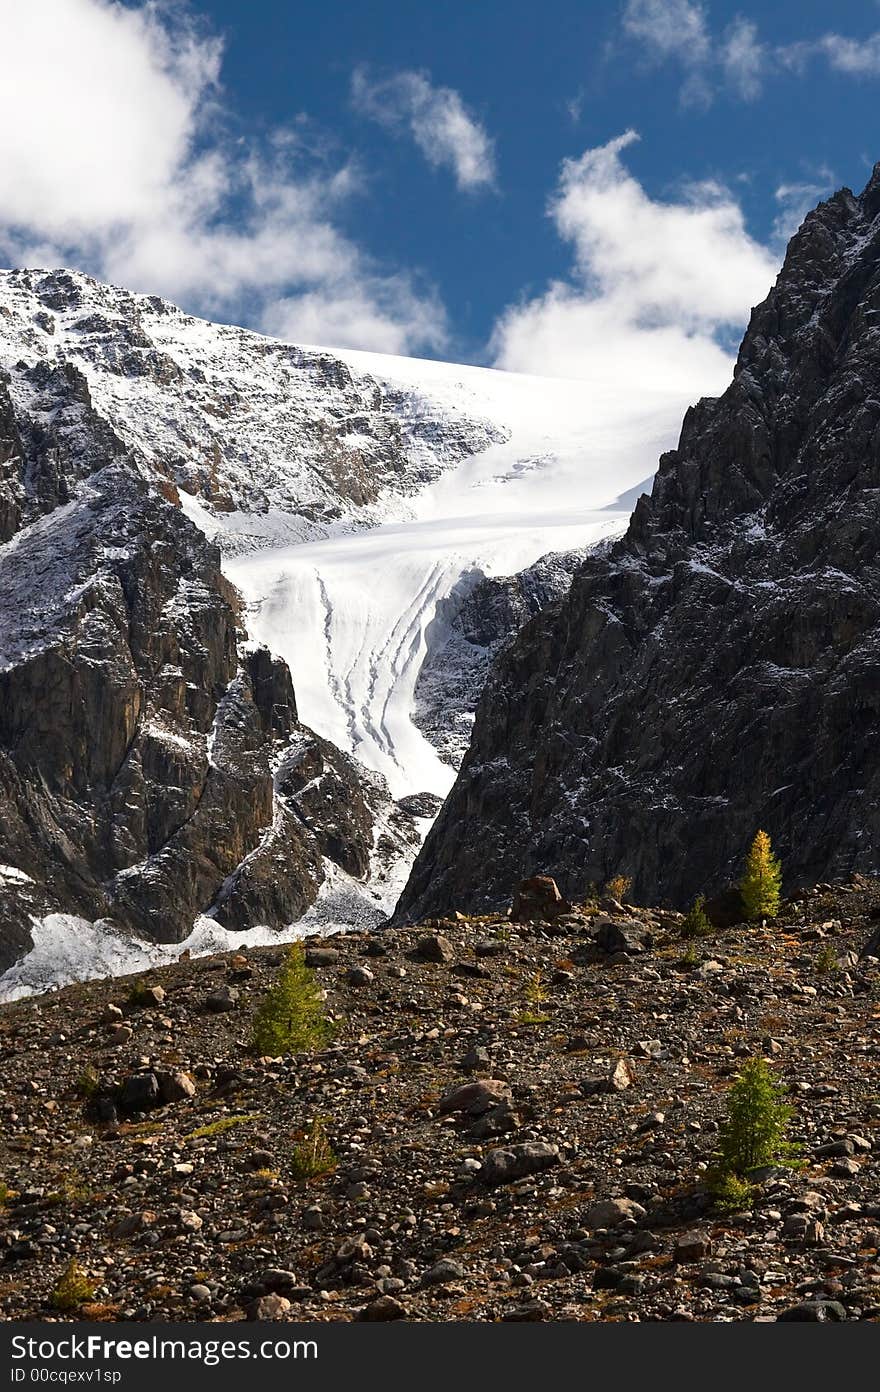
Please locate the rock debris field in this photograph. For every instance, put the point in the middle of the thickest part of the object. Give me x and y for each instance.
(514, 1121)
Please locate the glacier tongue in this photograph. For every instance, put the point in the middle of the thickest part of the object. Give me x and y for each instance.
(349, 612)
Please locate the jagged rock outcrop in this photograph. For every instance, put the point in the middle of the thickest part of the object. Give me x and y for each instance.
(718, 668)
(152, 766)
(468, 630)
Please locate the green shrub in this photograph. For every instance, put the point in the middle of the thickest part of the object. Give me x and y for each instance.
(139, 993)
(691, 958)
(73, 1287)
(535, 991)
(755, 1128)
(314, 1154)
(753, 1134)
(88, 1082)
(290, 1018)
(730, 1193)
(696, 923)
(826, 960)
(761, 884)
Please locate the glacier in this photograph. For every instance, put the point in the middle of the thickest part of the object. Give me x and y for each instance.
(349, 612)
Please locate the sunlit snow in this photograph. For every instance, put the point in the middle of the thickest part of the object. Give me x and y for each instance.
(349, 613)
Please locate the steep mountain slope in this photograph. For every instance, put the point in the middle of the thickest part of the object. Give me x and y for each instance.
(319, 474)
(152, 765)
(247, 424)
(718, 668)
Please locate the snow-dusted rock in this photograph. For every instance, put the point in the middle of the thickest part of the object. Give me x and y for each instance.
(718, 668)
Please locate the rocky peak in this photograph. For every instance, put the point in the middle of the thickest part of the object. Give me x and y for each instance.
(141, 738)
(718, 668)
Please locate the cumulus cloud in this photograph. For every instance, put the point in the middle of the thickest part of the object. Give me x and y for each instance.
(437, 119)
(656, 289)
(114, 157)
(736, 59)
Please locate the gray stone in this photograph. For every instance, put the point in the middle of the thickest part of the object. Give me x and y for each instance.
(507, 1164)
(443, 1272)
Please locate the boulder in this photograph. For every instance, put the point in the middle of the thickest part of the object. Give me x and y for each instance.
(509, 1163)
(538, 898)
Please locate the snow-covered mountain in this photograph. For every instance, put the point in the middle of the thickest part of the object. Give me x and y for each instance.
(347, 494)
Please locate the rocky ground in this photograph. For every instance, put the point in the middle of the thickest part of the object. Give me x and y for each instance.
(521, 1117)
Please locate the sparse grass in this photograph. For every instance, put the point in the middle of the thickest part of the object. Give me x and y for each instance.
(216, 1128)
(313, 1155)
(71, 1189)
(74, 1286)
(730, 1193)
(5, 1194)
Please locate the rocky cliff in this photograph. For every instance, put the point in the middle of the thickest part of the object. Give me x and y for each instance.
(469, 629)
(152, 766)
(718, 668)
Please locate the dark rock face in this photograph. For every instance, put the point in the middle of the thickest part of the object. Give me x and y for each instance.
(470, 627)
(718, 668)
(151, 767)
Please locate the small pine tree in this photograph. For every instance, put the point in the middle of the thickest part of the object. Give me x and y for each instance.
(314, 1155)
(696, 922)
(761, 884)
(618, 886)
(754, 1132)
(290, 1019)
(74, 1286)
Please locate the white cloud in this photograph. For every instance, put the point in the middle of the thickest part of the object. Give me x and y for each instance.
(744, 59)
(113, 158)
(669, 28)
(855, 57)
(736, 60)
(437, 119)
(797, 198)
(652, 287)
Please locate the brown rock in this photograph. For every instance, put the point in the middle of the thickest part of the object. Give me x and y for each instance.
(538, 898)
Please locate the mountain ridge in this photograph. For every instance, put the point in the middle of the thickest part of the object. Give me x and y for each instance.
(718, 667)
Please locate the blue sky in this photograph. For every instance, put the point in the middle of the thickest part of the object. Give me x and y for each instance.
(460, 180)
(546, 81)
